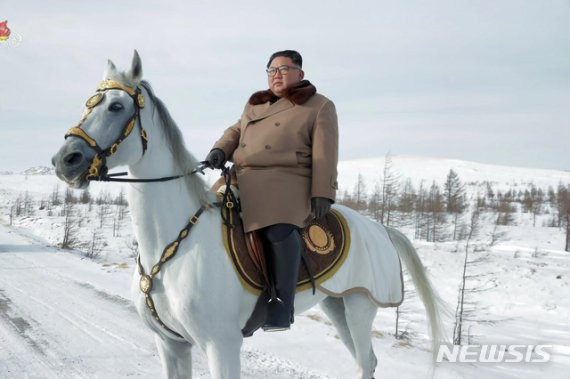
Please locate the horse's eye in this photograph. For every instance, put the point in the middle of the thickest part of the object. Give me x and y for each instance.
(115, 107)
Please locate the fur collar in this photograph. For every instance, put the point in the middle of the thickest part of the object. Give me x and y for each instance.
(298, 94)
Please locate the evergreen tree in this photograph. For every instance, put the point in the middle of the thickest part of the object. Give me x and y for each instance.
(455, 198)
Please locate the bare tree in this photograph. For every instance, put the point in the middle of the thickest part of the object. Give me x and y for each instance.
(103, 212)
(374, 205)
(490, 194)
(505, 211)
(563, 205)
(95, 246)
(16, 208)
(496, 235)
(103, 198)
(421, 211)
(454, 194)
(359, 195)
(459, 310)
(401, 311)
(55, 196)
(406, 204)
(69, 197)
(407, 198)
(436, 209)
(117, 219)
(70, 228)
(390, 184)
(121, 199)
(85, 197)
(532, 201)
(12, 212)
(28, 204)
(133, 246)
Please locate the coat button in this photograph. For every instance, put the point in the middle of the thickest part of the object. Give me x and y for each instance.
(242, 145)
(268, 147)
(277, 123)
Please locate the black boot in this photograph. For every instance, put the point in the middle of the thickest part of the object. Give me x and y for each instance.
(283, 263)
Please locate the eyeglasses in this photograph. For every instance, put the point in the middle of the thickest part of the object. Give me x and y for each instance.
(283, 70)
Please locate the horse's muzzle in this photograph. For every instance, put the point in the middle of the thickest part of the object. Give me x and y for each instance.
(72, 163)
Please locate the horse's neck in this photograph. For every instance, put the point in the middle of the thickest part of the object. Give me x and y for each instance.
(159, 210)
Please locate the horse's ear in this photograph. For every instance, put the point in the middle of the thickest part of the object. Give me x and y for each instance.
(110, 69)
(136, 67)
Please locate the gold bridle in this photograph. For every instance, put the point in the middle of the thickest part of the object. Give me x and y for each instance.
(98, 167)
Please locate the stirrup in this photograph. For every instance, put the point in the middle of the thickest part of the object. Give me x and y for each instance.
(271, 325)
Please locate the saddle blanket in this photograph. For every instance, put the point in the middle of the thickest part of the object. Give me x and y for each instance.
(327, 241)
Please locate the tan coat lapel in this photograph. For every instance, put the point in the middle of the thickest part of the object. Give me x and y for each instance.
(261, 111)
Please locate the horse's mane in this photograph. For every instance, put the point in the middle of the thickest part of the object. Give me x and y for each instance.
(183, 158)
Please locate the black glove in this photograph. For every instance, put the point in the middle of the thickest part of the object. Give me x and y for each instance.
(320, 206)
(216, 158)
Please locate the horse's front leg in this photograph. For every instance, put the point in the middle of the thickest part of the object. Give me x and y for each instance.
(176, 358)
(223, 354)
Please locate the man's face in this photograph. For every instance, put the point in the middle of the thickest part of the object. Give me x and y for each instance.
(279, 83)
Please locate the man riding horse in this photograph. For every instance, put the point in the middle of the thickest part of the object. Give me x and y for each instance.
(285, 153)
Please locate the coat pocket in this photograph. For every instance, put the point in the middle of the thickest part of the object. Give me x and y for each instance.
(303, 159)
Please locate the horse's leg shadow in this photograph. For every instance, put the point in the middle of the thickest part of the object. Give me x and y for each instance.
(352, 316)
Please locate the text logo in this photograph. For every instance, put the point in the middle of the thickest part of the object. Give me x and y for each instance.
(494, 353)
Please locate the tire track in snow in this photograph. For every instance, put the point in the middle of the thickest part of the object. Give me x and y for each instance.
(81, 323)
(92, 333)
(37, 351)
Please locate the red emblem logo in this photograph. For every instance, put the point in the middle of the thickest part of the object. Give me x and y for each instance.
(4, 31)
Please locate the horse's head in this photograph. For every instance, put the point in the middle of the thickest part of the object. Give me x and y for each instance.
(109, 133)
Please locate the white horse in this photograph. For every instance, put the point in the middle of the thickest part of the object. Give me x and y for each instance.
(197, 295)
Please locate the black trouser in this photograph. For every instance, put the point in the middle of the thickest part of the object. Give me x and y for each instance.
(277, 232)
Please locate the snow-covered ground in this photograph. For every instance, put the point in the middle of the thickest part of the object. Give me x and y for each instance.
(62, 315)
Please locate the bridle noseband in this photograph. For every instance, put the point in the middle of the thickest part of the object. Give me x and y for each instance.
(98, 168)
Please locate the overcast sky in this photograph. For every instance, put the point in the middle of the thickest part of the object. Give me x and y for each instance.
(480, 80)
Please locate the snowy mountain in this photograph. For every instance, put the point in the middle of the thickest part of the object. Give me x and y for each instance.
(62, 315)
(429, 169)
(39, 170)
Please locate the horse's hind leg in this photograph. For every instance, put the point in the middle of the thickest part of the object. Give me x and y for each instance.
(334, 309)
(176, 358)
(360, 313)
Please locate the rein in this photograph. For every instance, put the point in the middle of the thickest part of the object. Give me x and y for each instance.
(111, 177)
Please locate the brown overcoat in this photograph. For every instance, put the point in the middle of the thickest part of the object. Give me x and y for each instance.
(285, 152)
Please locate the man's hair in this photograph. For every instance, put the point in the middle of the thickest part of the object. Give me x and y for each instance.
(295, 57)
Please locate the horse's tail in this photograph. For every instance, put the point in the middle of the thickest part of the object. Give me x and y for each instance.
(433, 304)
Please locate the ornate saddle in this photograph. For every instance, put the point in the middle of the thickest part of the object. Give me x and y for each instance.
(326, 241)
